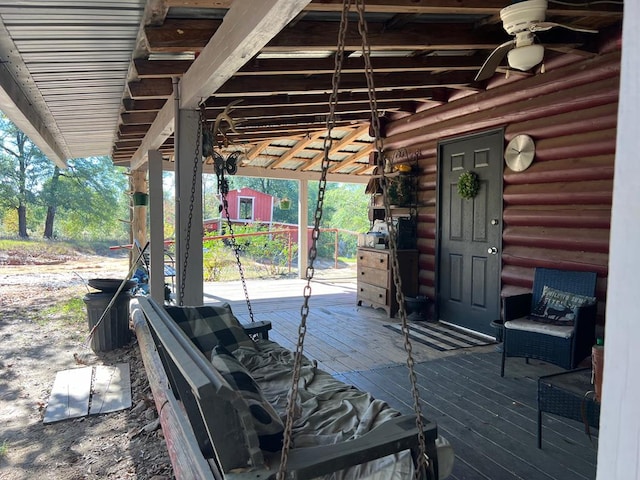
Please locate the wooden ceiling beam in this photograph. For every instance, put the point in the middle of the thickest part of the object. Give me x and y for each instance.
(151, 88)
(303, 98)
(255, 151)
(248, 26)
(468, 7)
(138, 118)
(249, 86)
(337, 145)
(309, 110)
(149, 105)
(161, 68)
(307, 66)
(311, 35)
(298, 147)
(350, 160)
(192, 35)
(180, 35)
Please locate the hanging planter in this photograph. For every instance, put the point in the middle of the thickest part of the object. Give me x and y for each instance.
(285, 204)
(468, 185)
(140, 199)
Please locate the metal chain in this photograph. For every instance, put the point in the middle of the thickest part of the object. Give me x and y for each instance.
(197, 157)
(313, 250)
(223, 186)
(423, 459)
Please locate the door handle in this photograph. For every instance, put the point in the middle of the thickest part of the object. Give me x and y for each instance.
(492, 250)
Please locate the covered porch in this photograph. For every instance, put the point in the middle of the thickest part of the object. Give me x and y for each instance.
(490, 421)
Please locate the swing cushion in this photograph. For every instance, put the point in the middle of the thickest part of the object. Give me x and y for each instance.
(266, 422)
(209, 326)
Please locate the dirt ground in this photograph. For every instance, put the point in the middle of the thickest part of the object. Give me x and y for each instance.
(36, 342)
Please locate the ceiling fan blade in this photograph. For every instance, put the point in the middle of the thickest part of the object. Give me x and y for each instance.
(544, 26)
(493, 61)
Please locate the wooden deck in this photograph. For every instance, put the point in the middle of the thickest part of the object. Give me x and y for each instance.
(490, 421)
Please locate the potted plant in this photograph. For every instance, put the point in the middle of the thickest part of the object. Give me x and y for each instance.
(285, 203)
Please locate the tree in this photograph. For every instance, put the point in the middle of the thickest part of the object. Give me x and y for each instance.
(23, 167)
(89, 195)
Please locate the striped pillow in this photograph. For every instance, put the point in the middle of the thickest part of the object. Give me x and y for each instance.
(266, 422)
(208, 326)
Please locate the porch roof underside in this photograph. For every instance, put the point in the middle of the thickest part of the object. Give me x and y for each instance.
(98, 79)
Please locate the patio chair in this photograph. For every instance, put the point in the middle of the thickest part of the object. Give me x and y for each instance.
(141, 275)
(554, 323)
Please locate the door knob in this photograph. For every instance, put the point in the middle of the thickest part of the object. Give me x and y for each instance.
(492, 250)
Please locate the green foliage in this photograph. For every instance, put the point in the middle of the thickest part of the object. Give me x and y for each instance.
(345, 208)
(91, 200)
(71, 311)
(217, 258)
(85, 200)
(268, 251)
(4, 448)
(468, 185)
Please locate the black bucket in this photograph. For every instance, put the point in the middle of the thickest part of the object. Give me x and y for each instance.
(417, 308)
(113, 332)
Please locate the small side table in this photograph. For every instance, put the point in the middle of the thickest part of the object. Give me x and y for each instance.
(568, 394)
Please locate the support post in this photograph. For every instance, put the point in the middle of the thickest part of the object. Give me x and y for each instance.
(156, 227)
(139, 214)
(188, 182)
(303, 221)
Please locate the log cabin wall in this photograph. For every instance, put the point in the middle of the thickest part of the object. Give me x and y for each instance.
(557, 212)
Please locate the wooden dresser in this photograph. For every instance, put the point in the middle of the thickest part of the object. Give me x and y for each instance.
(375, 279)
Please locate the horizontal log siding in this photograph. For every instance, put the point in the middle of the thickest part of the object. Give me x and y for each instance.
(556, 213)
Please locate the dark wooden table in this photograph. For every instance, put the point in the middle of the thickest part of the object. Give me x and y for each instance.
(570, 395)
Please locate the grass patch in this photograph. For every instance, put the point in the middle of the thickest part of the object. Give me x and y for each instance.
(69, 311)
(4, 448)
(40, 247)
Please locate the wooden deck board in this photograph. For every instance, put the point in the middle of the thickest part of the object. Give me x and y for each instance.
(490, 421)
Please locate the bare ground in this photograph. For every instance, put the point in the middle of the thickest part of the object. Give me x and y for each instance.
(37, 341)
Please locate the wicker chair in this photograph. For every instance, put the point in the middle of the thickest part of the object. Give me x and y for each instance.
(565, 346)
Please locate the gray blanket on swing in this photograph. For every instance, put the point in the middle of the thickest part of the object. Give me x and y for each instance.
(328, 411)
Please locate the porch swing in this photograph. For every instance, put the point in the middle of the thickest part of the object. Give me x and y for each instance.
(232, 389)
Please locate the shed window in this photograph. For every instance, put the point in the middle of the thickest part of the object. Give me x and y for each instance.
(246, 208)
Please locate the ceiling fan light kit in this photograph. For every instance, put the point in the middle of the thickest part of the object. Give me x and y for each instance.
(526, 57)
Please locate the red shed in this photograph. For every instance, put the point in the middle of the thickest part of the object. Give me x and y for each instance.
(247, 204)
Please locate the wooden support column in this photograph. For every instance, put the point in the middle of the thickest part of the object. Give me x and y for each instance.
(303, 221)
(156, 227)
(188, 209)
(138, 181)
(619, 441)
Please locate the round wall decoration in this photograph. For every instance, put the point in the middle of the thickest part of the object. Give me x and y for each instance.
(519, 153)
(468, 185)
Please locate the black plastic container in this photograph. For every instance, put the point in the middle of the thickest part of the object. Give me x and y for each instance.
(113, 332)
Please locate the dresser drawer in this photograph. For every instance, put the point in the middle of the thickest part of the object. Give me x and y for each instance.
(372, 293)
(373, 259)
(373, 276)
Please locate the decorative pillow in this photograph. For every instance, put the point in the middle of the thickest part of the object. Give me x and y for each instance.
(267, 423)
(558, 307)
(208, 326)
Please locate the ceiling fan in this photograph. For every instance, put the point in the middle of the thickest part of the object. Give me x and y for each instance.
(522, 20)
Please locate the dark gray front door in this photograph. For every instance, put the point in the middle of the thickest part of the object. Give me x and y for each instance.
(470, 233)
